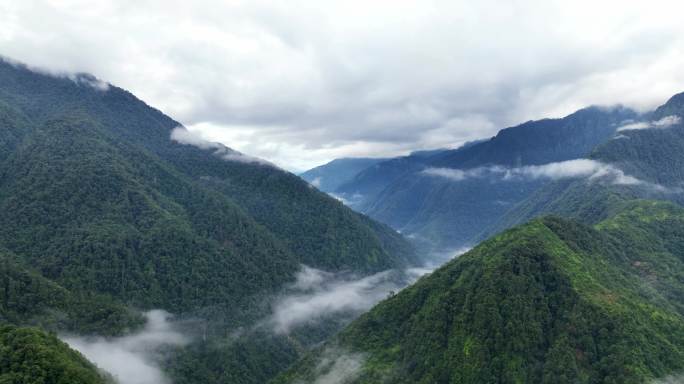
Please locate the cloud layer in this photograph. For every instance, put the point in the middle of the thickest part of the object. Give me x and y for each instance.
(301, 82)
(132, 359)
(317, 294)
(183, 136)
(337, 366)
(665, 122)
(579, 168)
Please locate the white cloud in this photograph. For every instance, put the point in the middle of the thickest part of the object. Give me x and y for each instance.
(183, 136)
(302, 82)
(132, 359)
(337, 366)
(316, 182)
(455, 174)
(579, 168)
(317, 294)
(665, 122)
(672, 379)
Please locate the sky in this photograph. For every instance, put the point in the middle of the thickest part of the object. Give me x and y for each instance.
(300, 83)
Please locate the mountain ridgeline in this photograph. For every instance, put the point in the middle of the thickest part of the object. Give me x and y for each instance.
(442, 213)
(109, 208)
(650, 154)
(329, 177)
(30, 356)
(100, 212)
(551, 301)
(97, 197)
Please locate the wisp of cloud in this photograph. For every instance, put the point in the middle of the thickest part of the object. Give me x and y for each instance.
(665, 122)
(133, 359)
(338, 366)
(317, 294)
(183, 136)
(672, 379)
(578, 168)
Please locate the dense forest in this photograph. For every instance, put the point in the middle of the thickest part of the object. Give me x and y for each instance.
(653, 156)
(442, 214)
(30, 356)
(552, 301)
(103, 215)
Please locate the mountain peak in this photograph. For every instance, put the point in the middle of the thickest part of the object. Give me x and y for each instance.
(673, 106)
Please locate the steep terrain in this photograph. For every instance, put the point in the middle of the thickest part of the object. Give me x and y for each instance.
(446, 200)
(365, 187)
(652, 154)
(101, 210)
(330, 176)
(30, 356)
(551, 301)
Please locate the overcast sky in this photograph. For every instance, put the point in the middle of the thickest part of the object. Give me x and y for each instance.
(302, 82)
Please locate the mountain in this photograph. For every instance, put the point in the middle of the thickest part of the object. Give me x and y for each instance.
(651, 153)
(328, 177)
(366, 185)
(30, 356)
(28, 298)
(446, 201)
(105, 202)
(551, 301)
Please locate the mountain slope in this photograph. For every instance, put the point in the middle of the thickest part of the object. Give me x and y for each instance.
(28, 298)
(550, 301)
(652, 155)
(263, 191)
(31, 356)
(448, 200)
(365, 187)
(110, 212)
(328, 177)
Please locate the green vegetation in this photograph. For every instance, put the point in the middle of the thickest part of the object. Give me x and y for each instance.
(30, 356)
(30, 299)
(651, 155)
(100, 212)
(552, 301)
(442, 214)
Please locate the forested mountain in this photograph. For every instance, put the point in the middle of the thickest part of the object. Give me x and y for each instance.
(364, 188)
(649, 152)
(100, 210)
(551, 301)
(108, 208)
(421, 197)
(330, 176)
(30, 356)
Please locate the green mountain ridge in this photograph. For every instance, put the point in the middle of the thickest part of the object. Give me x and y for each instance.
(650, 155)
(549, 301)
(30, 356)
(441, 214)
(100, 209)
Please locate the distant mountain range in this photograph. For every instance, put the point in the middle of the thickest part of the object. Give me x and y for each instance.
(451, 198)
(330, 176)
